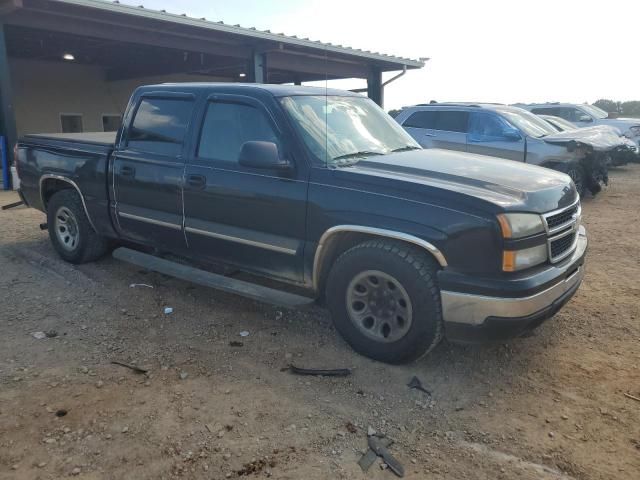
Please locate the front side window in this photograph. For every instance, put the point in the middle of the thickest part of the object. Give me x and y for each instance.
(227, 126)
(160, 125)
(571, 114)
(484, 126)
(341, 130)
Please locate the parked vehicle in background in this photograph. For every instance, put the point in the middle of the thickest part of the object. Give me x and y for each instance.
(506, 132)
(583, 115)
(320, 190)
(624, 151)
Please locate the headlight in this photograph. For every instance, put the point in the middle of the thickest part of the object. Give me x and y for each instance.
(514, 260)
(519, 225)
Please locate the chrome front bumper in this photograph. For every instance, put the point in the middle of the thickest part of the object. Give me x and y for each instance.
(474, 310)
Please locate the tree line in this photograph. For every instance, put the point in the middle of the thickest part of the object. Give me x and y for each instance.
(631, 108)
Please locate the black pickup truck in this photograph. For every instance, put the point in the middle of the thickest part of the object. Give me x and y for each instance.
(316, 194)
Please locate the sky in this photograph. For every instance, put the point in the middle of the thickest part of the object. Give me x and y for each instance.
(479, 50)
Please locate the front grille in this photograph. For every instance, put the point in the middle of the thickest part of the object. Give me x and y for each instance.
(558, 219)
(562, 232)
(561, 245)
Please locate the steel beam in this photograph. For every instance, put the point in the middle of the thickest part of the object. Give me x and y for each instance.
(375, 89)
(7, 110)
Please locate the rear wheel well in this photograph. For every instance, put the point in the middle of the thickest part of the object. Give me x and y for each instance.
(50, 186)
(340, 242)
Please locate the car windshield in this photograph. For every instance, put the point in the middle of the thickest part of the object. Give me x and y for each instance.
(530, 124)
(561, 123)
(342, 130)
(595, 111)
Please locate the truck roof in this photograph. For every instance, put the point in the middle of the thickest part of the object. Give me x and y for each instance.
(275, 90)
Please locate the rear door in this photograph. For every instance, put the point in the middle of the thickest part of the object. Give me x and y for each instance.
(249, 217)
(451, 130)
(147, 171)
(487, 137)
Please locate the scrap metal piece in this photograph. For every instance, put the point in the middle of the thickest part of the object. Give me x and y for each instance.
(333, 372)
(370, 456)
(132, 367)
(12, 205)
(378, 446)
(416, 384)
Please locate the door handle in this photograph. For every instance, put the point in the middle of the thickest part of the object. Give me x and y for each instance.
(127, 171)
(429, 134)
(197, 181)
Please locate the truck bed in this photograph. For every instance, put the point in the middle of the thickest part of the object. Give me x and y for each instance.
(106, 139)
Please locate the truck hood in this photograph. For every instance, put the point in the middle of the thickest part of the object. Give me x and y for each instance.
(600, 137)
(624, 124)
(506, 184)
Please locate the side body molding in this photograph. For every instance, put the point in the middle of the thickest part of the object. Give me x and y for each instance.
(74, 185)
(326, 239)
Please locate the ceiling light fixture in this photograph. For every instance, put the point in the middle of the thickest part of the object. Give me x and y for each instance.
(242, 75)
(68, 56)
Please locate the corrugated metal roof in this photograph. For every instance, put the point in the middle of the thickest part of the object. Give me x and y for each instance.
(183, 19)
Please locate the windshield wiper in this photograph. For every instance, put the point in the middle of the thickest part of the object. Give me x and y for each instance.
(363, 153)
(406, 148)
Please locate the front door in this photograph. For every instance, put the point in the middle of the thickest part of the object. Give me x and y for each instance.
(488, 136)
(249, 217)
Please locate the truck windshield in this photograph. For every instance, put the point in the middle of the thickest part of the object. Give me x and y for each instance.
(342, 130)
(595, 111)
(527, 122)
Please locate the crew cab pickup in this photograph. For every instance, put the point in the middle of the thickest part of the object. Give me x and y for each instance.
(319, 192)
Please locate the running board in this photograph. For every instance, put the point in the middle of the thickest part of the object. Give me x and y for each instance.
(213, 280)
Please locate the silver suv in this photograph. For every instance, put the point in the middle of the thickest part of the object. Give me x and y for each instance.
(502, 131)
(583, 115)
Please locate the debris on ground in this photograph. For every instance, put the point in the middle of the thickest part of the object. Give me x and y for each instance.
(632, 397)
(378, 447)
(134, 285)
(12, 205)
(351, 428)
(39, 335)
(255, 466)
(61, 413)
(168, 310)
(416, 384)
(183, 375)
(321, 372)
(135, 368)
(244, 333)
(51, 334)
(235, 343)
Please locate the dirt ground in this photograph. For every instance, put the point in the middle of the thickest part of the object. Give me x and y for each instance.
(549, 406)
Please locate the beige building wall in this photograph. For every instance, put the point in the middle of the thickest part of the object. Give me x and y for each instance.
(43, 90)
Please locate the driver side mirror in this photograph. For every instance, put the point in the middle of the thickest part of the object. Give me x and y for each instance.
(585, 118)
(511, 134)
(262, 155)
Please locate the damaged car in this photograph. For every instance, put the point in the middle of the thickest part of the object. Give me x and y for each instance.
(624, 150)
(507, 132)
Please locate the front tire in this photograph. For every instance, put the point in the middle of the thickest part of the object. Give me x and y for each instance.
(70, 232)
(385, 301)
(576, 172)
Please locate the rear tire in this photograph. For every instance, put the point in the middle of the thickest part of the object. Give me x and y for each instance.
(70, 232)
(385, 301)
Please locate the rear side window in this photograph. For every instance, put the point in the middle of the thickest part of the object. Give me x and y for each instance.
(452, 121)
(227, 126)
(160, 125)
(421, 119)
